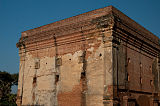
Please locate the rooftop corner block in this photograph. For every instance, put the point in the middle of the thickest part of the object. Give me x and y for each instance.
(98, 58)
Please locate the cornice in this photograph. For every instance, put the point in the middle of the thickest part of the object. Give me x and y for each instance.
(134, 38)
(135, 26)
(108, 18)
(69, 22)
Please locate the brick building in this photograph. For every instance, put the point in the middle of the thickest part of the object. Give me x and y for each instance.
(99, 58)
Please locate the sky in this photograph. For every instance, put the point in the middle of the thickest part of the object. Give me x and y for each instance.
(17, 16)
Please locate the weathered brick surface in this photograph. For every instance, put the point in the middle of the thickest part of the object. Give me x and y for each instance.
(99, 58)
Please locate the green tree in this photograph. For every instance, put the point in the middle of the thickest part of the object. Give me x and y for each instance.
(7, 80)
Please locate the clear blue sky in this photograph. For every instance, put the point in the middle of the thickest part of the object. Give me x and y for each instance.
(17, 16)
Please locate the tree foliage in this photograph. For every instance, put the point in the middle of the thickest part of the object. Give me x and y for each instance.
(7, 80)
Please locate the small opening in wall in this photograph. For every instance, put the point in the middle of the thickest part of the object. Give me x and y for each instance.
(83, 75)
(150, 69)
(83, 82)
(46, 63)
(34, 79)
(69, 59)
(80, 59)
(140, 80)
(100, 55)
(128, 78)
(37, 65)
(140, 64)
(56, 79)
(129, 60)
(151, 82)
(58, 62)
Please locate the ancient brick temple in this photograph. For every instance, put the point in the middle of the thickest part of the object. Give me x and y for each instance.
(99, 58)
